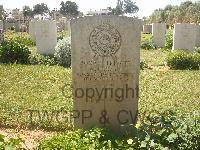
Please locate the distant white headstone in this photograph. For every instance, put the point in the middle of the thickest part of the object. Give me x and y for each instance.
(147, 28)
(105, 71)
(159, 31)
(1, 31)
(184, 36)
(46, 36)
(1, 24)
(198, 36)
(32, 30)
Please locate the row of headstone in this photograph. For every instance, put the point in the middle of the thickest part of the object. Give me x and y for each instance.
(158, 30)
(185, 36)
(44, 33)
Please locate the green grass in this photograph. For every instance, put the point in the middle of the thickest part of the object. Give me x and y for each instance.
(154, 57)
(146, 37)
(175, 90)
(41, 88)
(31, 87)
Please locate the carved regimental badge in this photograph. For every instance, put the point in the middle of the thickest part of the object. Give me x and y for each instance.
(105, 40)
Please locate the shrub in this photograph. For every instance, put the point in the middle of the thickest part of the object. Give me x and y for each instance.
(148, 45)
(38, 59)
(155, 131)
(12, 28)
(183, 60)
(63, 52)
(62, 34)
(143, 64)
(22, 38)
(197, 49)
(169, 39)
(14, 52)
(147, 42)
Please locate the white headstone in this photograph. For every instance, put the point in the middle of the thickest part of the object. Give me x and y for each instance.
(147, 28)
(184, 36)
(32, 30)
(159, 31)
(1, 31)
(198, 36)
(46, 36)
(105, 71)
(1, 24)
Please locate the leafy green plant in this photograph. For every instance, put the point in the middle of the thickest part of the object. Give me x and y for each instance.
(10, 144)
(63, 52)
(143, 64)
(38, 59)
(19, 37)
(183, 60)
(62, 34)
(169, 40)
(197, 49)
(147, 42)
(14, 52)
(166, 131)
(12, 28)
(148, 45)
(155, 131)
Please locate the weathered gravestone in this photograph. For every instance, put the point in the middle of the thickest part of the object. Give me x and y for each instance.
(46, 36)
(184, 36)
(147, 28)
(159, 31)
(12, 24)
(32, 30)
(198, 36)
(105, 71)
(1, 24)
(1, 31)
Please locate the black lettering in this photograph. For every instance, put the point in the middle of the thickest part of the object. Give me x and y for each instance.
(118, 117)
(86, 114)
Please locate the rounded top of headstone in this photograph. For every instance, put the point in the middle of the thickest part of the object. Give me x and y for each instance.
(104, 16)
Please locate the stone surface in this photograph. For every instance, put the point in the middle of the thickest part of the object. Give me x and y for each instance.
(1, 31)
(147, 28)
(9, 25)
(32, 30)
(198, 36)
(105, 71)
(1, 24)
(23, 28)
(159, 31)
(184, 36)
(46, 36)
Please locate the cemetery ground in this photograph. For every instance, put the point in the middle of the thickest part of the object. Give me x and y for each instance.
(32, 95)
